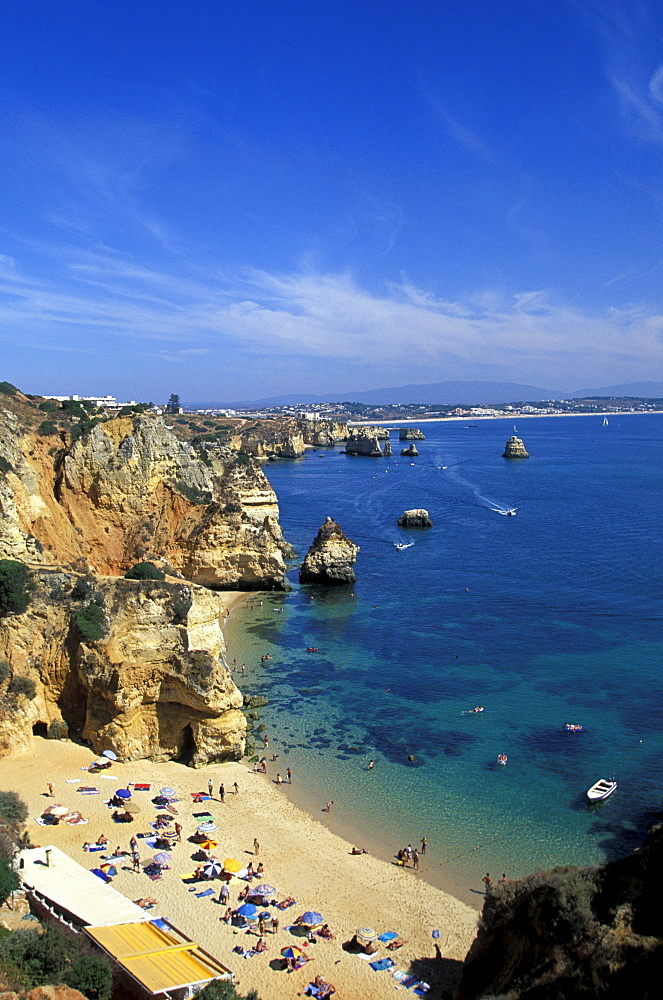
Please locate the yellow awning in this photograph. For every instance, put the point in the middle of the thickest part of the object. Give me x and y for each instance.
(157, 958)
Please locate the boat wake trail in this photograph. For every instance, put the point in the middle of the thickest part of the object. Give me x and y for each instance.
(481, 499)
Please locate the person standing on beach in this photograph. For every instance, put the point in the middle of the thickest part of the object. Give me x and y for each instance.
(50, 789)
(236, 788)
(256, 846)
(178, 831)
(275, 924)
(133, 845)
(424, 845)
(487, 881)
(210, 788)
(329, 805)
(415, 859)
(222, 792)
(288, 773)
(224, 895)
(135, 857)
(370, 765)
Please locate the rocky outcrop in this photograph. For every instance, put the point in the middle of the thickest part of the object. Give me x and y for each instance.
(387, 448)
(411, 434)
(127, 489)
(323, 432)
(44, 993)
(281, 441)
(592, 932)
(331, 558)
(153, 685)
(515, 448)
(410, 451)
(417, 518)
(363, 441)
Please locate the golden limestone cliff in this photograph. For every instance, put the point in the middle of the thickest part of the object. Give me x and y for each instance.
(130, 488)
(82, 502)
(154, 684)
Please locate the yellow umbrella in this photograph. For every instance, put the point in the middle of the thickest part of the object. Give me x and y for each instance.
(232, 865)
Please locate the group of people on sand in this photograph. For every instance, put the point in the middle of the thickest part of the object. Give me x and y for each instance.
(410, 855)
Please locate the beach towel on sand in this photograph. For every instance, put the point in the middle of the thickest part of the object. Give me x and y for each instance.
(388, 936)
(382, 964)
(141, 788)
(205, 892)
(88, 790)
(72, 781)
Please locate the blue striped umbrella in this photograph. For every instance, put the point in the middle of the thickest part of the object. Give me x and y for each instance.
(312, 918)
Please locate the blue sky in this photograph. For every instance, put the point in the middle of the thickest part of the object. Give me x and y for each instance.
(238, 199)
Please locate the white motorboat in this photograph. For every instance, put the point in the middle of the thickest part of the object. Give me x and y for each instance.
(602, 789)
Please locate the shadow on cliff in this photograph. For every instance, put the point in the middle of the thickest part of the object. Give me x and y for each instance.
(441, 974)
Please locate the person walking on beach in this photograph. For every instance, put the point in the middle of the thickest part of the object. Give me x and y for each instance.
(178, 832)
(133, 845)
(224, 895)
(487, 881)
(135, 857)
(210, 788)
(415, 859)
(288, 774)
(236, 788)
(256, 846)
(222, 792)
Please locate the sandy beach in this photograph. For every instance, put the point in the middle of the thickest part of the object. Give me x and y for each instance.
(301, 858)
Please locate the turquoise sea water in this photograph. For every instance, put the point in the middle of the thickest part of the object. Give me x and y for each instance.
(547, 617)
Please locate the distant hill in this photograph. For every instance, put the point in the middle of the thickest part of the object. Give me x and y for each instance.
(447, 393)
(651, 390)
(459, 393)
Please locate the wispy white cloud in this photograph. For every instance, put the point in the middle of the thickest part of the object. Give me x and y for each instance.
(325, 316)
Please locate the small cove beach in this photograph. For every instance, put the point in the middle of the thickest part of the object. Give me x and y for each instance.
(301, 858)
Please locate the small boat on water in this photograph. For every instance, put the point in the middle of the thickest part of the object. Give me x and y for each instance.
(402, 545)
(602, 789)
(502, 759)
(572, 727)
(605, 421)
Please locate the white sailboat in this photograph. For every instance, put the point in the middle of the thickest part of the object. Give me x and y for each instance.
(605, 421)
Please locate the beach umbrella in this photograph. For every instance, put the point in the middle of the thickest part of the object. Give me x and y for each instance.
(102, 762)
(123, 793)
(292, 951)
(130, 807)
(263, 890)
(365, 935)
(209, 845)
(212, 869)
(102, 875)
(56, 810)
(206, 828)
(108, 869)
(248, 911)
(242, 873)
(162, 857)
(109, 754)
(232, 865)
(167, 791)
(311, 918)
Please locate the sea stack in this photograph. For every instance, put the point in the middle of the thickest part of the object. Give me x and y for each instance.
(515, 448)
(364, 441)
(411, 434)
(410, 452)
(331, 558)
(417, 518)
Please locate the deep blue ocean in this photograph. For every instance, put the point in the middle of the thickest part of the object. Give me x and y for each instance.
(548, 617)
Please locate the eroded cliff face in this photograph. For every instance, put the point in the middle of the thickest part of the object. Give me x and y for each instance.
(155, 685)
(594, 932)
(130, 489)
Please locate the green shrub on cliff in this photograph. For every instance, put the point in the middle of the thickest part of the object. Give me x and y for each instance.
(58, 730)
(46, 428)
(13, 810)
(91, 622)
(222, 989)
(144, 571)
(22, 685)
(36, 957)
(7, 389)
(15, 587)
